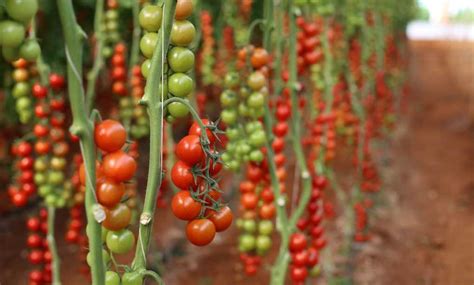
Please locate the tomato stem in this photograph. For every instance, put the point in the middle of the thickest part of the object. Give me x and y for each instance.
(55, 261)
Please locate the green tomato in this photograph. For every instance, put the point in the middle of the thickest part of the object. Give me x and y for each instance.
(256, 156)
(256, 80)
(50, 200)
(21, 89)
(178, 110)
(244, 92)
(232, 133)
(30, 50)
(229, 116)
(13, 34)
(265, 227)
(263, 243)
(111, 15)
(228, 98)
(252, 127)
(23, 103)
(182, 33)
(10, 54)
(112, 278)
(21, 10)
(146, 65)
(243, 109)
(180, 59)
(239, 223)
(180, 85)
(120, 242)
(41, 164)
(60, 202)
(246, 243)
(148, 44)
(257, 138)
(105, 257)
(249, 226)
(112, 26)
(107, 51)
(104, 234)
(58, 163)
(150, 18)
(40, 178)
(226, 157)
(45, 190)
(231, 80)
(243, 148)
(132, 278)
(256, 100)
(233, 165)
(55, 177)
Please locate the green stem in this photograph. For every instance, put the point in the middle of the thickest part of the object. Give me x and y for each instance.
(55, 262)
(155, 109)
(82, 127)
(99, 58)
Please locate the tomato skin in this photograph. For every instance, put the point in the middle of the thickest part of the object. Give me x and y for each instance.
(117, 218)
(195, 129)
(221, 219)
(259, 58)
(184, 207)
(200, 232)
(189, 150)
(184, 9)
(120, 242)
(182, 176)
(112, 278)
(110, 135)
(150, 18)
(119, 166)
(109, 192)
(267, 211)
(298, 273)
(249, 201)
(182, 33)
(132, 278)
(298, 242)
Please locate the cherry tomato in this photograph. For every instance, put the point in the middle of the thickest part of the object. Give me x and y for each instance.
(180, 59)
(119, 166)
(56, 81)
(13, 34)
(120, 242)
(117, 218)
(132, 278)
(180, 84)
(298, 242)
(184, 9)
(259, 58)
(148, 44)
(19, 199)
(184, 207)
(109, 192)
(222, 219)
(110, 135)
(249, 201)
(112, 278)
(182, 176)
(150, 18)
(182, 33)
(189, 150)
(267, 211)
(200, 232)
(21, 10)
(196, 130)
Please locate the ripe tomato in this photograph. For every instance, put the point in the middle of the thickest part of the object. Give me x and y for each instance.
(184, 9)
(119, 166)
(72, 236)
(19, 199)
(259, 58)
(33, 224)
(298, 242)
(196, 130)
(110, 135)
(249, 200)
(56, 81)
(117, 218)
(109, 192)
(280, 129)
(298, 273)
(184, 207)
(182, 176)
(189, 150)
(267, 211)
(120, 242)
(180, 84)
(35, 256)
(222, 219)
(313, 257)
(200, 232)
(254, 173)
(132, 278)
(300, 258)
(34, 240)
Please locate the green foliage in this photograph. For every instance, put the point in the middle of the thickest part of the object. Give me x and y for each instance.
(465, 16)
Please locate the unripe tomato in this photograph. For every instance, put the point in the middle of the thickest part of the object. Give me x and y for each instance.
(132, 278)
(189, 150)
(184, 9)
(148, 44)
(120, 242)
(30, 50)
(12, 32)
(150, 18)
(180, 85)
(117, 218)
(112, 278)
(182, 33)
(21, 10)
(180, 59)
(178, 110)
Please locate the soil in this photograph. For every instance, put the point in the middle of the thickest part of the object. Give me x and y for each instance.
(423, 231)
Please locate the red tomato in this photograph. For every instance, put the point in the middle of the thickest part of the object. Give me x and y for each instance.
(182, 176)
(189, 150)
(297, 242)
(267, 211)
(222, 219)
(184, 206)
(56, 81)
(110, 135)
(119, 166)
(200, 232)
(196, 130)
(254, 173)
(259, 58)
(109, 192)
(117, 218)
(19, 199)
(249, 200)
(298, 273)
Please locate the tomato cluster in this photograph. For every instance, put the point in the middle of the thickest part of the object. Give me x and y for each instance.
(303, 257)
(110, 28)
(198, 201)
(309, 47)
(21, 90)
(23, 187)
(180, 57)
(13, 30)
(39, 253)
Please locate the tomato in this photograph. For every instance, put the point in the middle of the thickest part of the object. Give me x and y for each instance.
(36, 256)
(33, 224)
(222, 219)
(119, 166)
(200, 232)
(19, 199)
(229, 98)
(120, 242)
(299, 273)
(247, 242)
(21, 10)
(189, 150)
(110, 135)
(249, 200)
(256, 80)
(56, 82)
(280, 160)
(313, 257)
(180, 85)
(13, 34)
(150, 18)
(184, 9)
(184, 206)
(148, 43)
(132, 278)
(72, 236)
(280, 129)
(182, 33)
(263, 243)
(267, 195)
(109, 192)
(256, 100)
(9, 53)
(298, 242)
(259, 58)
(30, 50)
(105, 257)
(283, 112)
(265, 227)
(229, 116)
(24, 149)
(117, 218)
(267, 211)
(21, 89)
(178, 109)
(182, 176)
(112, 278)
(180, 59)
(300, 258)
(246, 186)
(82, 172)
(36, 276)
(145, 68)
(257, 139)
(34, 240)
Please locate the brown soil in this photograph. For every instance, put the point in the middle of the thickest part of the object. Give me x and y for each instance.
(423, 231)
